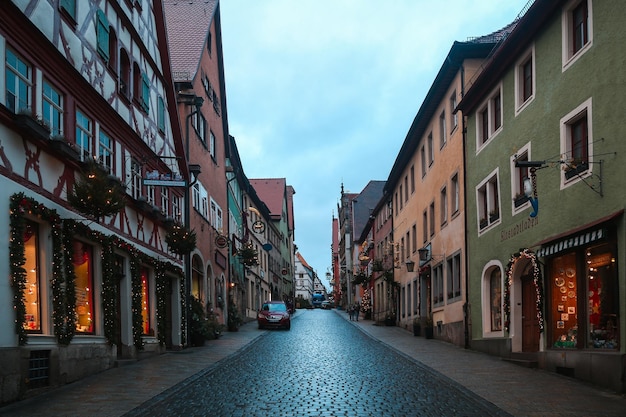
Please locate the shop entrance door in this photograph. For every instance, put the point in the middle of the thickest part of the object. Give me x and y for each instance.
(530, 323)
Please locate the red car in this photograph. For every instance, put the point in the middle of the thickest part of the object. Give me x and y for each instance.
(274, 314)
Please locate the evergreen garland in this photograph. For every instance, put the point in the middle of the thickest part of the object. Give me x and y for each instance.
(180, 240)
(135, 276)
(109, 292)
(97, 193)
(17, 258)
(65, 307)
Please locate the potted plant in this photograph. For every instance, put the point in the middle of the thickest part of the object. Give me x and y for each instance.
(417, 327)
(390, 320)
(574, 167)
(234, 318)
(429, 331)
(483, 223)
(180, 240)
(493, 216)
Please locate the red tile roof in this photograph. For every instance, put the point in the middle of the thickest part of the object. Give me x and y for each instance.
(272, 191)
(187, 24)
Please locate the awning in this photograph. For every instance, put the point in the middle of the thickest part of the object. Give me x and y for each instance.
(572, 242)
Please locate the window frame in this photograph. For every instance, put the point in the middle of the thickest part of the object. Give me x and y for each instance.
(521, 82)
(576, 172)
(106, 155)
(489, 119)
(84, 135)
(22, 82)
(569, 55)
(52, 112)
(488, 201)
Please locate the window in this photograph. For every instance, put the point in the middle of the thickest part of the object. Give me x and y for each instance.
(199, 125)
(165, 201)
(454, 120)
(145, 303)
(212, 143)
(431, 150)
(489, 119)
(52, 105)
(18, 79)
(414, 238)
(577, 142)
(33, 286)
(105, 151)
(400, 193)
(437, 278)
(412, 179)
(161, 114)
(488, 202)
(577, 30)
(201, 200)
(135, 179)
(150, 194)
(524, 75)
(431, 215)
(83, 135)
(406, 188)
(444, 205)
(82, 258)
(102, 35)
(454, 183)
(495, 299)
(196, 196)
(216, 215)
(124, 76)
(519, 175)
(112, 50)
(454, 277)
(442, 129)
(423, 160)
(176, 208)
(425, 226)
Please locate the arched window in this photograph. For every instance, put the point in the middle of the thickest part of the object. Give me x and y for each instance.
(124, 75)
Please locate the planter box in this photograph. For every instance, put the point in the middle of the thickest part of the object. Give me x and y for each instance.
(518, 201)
(29, 126)
(64, 149)
(572, 172)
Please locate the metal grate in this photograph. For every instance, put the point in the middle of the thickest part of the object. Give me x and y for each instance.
(38, 369)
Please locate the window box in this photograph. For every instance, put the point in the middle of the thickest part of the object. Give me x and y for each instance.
(519, 200)
(483, 223)
(32, 126)
(493, 216)
(576, 169)
(64, 148)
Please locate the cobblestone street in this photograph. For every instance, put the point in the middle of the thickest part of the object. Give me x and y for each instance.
(322, 367)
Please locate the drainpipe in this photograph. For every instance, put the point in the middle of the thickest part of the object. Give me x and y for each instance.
(466, 306)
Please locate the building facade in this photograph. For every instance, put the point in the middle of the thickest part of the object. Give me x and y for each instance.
(85, 120)
(545, 208)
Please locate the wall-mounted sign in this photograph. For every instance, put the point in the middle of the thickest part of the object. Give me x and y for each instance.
(164, 180)
(258, 226)
(221, 241)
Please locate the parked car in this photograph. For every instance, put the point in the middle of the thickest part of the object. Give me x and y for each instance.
(327, 305)
(274, 314)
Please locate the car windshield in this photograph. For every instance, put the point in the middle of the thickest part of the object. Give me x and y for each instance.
(274, 307)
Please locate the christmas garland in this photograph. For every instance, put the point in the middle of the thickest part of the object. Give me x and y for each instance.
(537, 280)
(180, 240)
(63, 276)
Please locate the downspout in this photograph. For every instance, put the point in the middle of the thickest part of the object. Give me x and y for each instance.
(466, 306)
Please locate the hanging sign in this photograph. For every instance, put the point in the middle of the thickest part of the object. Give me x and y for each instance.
(164, 180)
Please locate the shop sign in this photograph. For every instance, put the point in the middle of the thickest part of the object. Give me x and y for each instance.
(164, 180)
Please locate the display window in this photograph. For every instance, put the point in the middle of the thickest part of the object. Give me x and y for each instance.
(82, 259)
(145, 302)
(584, 299)
(32, 319)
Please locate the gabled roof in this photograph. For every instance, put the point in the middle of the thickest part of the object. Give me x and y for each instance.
(303, 261)
(363, 205)
(272, 191)
(188, 24)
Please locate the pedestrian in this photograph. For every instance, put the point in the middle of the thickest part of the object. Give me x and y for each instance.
(357, 310)
(351, 312)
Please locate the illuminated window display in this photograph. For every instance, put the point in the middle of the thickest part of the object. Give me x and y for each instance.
(32, 320)
(585, 299)
(145, 302)
(82, 259)
(495, 295)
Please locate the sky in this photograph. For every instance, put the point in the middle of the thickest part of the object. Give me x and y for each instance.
(323, 92)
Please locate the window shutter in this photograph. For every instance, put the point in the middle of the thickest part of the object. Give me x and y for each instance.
(145, 92)
(69, 6)
(102, 34)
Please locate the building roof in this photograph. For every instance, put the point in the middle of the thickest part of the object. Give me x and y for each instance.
(303, 261)
(363, 205)
(272, 192)
(188, 23)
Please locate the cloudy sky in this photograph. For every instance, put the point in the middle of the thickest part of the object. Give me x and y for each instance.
(323, 92)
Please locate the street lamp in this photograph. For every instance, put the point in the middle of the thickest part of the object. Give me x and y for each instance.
(410, 265)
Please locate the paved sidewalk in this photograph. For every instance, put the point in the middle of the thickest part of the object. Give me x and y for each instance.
(517, 390)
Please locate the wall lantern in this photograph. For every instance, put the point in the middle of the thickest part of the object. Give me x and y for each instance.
(410, 265)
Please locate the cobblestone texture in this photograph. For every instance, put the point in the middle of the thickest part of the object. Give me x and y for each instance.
(323, 367)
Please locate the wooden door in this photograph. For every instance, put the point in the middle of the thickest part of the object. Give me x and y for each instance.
(530, 322)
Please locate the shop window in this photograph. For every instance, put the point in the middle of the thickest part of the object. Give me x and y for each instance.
(585, 307)
(82, 258)
(495, 299)
(602, 298)
(454, 278)
(18, 81)
(438, 285)
(32, 290)
(145, 303)
(197, 277)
